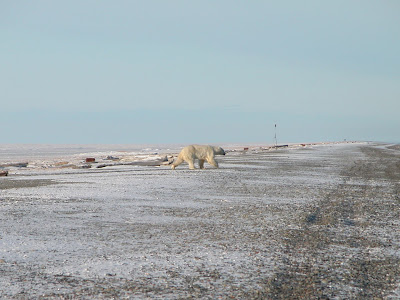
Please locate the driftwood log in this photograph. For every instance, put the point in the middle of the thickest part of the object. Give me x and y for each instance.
(17, 165)
(145, 163)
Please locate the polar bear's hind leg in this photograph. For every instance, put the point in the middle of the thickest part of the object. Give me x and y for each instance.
(176, 163)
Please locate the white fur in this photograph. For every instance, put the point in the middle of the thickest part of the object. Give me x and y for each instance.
(201, 152)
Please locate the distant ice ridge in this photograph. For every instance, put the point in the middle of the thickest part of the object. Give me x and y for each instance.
(61, 156)
(50, 156)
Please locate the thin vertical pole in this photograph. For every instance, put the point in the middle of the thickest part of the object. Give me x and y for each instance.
(276, 140)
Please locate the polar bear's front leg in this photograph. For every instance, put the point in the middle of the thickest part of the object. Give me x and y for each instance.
(201, 163)
(191, 164)
(212, 162)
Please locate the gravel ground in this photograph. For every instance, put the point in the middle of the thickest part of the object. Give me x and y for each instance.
(317, 222)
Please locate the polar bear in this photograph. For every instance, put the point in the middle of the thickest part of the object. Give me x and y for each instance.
(200, 152)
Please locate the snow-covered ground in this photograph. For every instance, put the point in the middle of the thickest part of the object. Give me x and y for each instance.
(146, 231)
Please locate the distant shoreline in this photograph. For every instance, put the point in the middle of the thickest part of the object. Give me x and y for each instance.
(44, 156)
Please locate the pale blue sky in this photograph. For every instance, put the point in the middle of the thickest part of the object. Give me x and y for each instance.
(199, 71)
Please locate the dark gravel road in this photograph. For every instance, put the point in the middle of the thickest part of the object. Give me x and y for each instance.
(318, 222)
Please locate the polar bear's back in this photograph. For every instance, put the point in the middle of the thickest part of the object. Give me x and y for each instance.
(198, 151)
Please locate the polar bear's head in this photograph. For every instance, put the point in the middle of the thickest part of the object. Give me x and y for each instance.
(219, 151)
